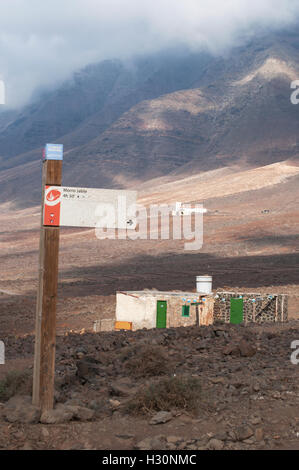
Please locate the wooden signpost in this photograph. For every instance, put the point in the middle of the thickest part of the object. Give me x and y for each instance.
(45, 330)
(75, 207)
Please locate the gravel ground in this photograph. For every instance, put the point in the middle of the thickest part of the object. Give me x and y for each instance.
(248, 396)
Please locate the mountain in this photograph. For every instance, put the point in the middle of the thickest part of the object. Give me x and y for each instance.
(175, 114)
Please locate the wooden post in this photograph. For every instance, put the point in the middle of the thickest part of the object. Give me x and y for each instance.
(45, 333)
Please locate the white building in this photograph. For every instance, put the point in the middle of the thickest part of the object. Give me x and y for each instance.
(154, 309)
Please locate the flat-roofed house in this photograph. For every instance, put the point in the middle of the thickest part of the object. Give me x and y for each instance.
(155, 309)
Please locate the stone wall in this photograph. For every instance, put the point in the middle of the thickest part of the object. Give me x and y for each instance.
(106, 324)
(257, 308)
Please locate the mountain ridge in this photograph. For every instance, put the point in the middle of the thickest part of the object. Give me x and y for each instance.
(169, 114)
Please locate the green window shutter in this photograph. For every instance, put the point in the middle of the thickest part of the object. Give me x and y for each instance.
(185, 310)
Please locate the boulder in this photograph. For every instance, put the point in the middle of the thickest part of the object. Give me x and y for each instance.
(19, 409)
(243, 432)
(242, 348)
(81, 413)
(215, 444)
(161, 417)
(59, 415)
(145, 444)
(246, 349)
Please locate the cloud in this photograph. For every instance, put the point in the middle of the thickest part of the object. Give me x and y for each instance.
(43, 42)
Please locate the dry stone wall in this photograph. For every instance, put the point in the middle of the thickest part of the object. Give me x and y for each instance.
(257, 308)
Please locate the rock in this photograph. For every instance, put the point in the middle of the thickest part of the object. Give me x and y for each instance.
(115, 404)
(27, 446)
(96, 405)
(238, 383)
(275, 394)
(73, 402)
(203, 344)
(59, 415)
(182, 445)
(121, 388)
(173, 439)
(82, 369)
(255, 420)
(161, 417)
(185, 419)
(249, 441)
(45, 433)
(170, 446)
(19, 435)
(66, 379)
(256, 387)
(246, 349)
(81, 412)
(243, 348)
(81, 352)
(157, 442)
(125, 436)
(220, 331)
(231, 348)
(144, 445)
(221, 436)
(243, 432)
(231, 435)
(87, 368)
(218, 380)
(259, 434)
(215, 444)
(19, 409)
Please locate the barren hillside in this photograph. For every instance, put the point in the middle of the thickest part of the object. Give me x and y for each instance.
(176, 114)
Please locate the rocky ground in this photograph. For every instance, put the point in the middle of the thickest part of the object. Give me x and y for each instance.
(216, 387)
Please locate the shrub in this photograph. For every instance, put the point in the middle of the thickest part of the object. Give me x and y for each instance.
(171, 393)
(147, 361)
(15, 383)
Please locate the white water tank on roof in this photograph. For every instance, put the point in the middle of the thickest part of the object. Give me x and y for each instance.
(204, 284)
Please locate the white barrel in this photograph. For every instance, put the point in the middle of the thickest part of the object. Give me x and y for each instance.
(204, 284)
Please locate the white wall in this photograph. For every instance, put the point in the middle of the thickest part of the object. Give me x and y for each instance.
(140, 310)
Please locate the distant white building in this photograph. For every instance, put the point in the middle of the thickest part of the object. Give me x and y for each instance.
(181, 210)
(155, 309)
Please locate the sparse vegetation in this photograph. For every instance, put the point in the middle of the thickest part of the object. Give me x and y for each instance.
(147, 361)
(15, 383)
(171, 393)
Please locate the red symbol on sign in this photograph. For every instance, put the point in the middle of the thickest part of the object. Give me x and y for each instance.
(52, 206)
(53, 195)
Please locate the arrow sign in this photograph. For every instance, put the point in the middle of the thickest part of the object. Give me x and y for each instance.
(88, 207)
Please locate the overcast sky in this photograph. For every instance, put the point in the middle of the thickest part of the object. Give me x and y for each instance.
(43, 41)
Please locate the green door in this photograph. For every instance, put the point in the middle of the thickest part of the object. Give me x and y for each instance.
(161, 313)
(236, 311)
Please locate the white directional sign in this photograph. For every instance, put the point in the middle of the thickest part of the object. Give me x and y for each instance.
(88, 207)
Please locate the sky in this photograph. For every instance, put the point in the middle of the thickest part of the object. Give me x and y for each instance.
(42, 42)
